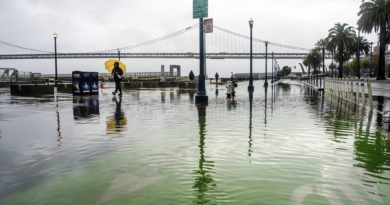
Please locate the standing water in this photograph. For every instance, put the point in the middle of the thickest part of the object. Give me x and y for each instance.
(285, 145)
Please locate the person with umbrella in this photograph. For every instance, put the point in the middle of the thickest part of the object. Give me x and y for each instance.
(191, 76)
(117, 72)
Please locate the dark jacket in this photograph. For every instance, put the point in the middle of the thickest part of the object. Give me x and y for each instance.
(216, 75)
(120, 72)
(191, 75)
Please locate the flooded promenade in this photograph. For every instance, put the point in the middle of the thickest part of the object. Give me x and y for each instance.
(287, 144)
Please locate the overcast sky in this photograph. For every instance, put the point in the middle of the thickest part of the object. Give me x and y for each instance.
(94, 25)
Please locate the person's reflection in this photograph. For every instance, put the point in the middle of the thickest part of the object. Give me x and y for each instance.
(204, 181)
(250, 123)
(191, 95)
(216, 92)
(116, 124)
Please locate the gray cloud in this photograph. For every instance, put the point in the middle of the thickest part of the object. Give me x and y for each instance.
(84, 26)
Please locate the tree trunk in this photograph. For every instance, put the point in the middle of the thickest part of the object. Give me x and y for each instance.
(341, 51)
(323, 60)
(382, 46)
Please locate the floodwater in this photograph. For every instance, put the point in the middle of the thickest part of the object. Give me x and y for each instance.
(285, 145)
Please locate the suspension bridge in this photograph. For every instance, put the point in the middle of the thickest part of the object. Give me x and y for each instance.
(183, 44)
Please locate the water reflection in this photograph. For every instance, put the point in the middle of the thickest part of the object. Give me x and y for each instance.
(250, 123)
(204, 183)
(58, 129)
(371, 150)
(85, 107)
(163, 97)
(265, 106)
(117, 123)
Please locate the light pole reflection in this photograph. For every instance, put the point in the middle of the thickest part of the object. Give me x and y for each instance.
(204, 181)
(250, 123)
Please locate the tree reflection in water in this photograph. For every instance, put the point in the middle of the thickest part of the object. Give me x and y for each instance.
(372, 149)
(204, 183)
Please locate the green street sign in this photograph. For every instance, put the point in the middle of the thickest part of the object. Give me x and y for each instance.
(200, 9)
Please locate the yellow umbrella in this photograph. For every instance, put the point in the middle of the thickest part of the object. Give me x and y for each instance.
(110, 65)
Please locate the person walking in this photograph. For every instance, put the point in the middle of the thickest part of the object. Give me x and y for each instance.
(232, 76)
(216, 78)
(117, 72)
(191, 76)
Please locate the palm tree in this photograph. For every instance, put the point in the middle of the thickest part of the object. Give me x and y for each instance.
(340, 35)
(364, 45)
(375, 15)
(332, 48)
(322, 43)
(313, 59)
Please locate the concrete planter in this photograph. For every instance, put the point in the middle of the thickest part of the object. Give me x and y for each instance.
(163, 84)
(188, 85)
(67, 88)
(31, 89)
(174, 84)
(149, 84)
(131, 85)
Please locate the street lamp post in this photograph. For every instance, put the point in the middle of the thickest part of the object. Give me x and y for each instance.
(357, 53)
(119, 54)
(55, 56)
(201, 97)
(250, 86)
(272, 68)
(371, 61)
(266, 55)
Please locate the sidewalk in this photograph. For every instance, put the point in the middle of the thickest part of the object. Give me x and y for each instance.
(380, 87)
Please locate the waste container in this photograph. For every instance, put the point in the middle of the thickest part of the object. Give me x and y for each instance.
(94, 83)
(76, 82)
(85, 82)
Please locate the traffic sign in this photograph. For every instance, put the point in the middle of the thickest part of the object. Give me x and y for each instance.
(200, 8)
(208, 25)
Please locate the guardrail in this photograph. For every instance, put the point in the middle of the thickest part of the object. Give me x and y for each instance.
(317, 81)
(350, 90)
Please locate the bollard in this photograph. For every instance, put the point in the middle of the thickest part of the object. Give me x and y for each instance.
(370, 93)
(357, 93)
(348, 92)
(351, 91)
(363, 93)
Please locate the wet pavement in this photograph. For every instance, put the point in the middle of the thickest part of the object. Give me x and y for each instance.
(287, 144)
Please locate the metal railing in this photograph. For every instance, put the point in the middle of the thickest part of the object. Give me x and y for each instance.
(126, 75)
(317, 80)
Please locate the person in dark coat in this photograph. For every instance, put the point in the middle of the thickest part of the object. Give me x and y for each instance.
(117, 72)
(191, 76)
(216, 78)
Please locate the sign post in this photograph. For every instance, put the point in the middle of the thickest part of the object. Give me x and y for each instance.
(200, 10)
